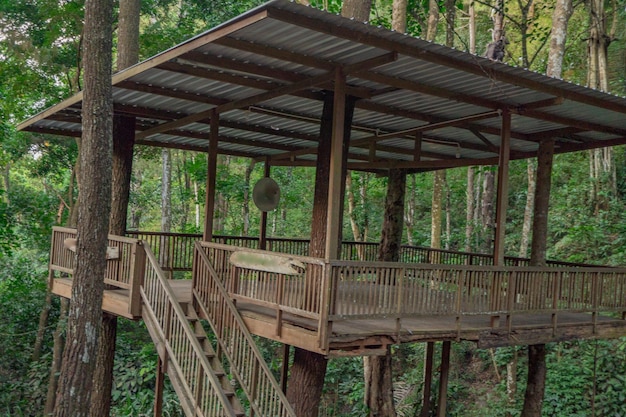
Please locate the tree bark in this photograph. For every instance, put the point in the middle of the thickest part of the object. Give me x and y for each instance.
(391, 233)
(487, 215)
(246, 199)
(439, 179)
(57, 356)
(558, 36)
(545, 155)
(528, 210)
(472, 27)
(358, 10)
(535, 385)
(398, 16)
(123, 145)
(450, 18)
(83, 327)
(533, 398)
(306, 382)
(377, 369)
(433, 20)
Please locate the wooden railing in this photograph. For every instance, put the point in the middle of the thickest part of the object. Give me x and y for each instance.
(125, 271)
(179, 253)
(373, 289)
(195, 381)
(236, 343)
(350, 290)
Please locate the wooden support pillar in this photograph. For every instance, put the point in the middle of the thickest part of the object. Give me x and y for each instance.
(503, 189)
(443, 379)
(158, 389)
(209, 208)
(501, 206)
(335, 186)
(428, 378)
(263, 223)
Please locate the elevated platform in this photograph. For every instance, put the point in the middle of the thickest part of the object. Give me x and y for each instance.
(340, 308)
(357, 337)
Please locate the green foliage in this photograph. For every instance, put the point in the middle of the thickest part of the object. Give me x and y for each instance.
(22, 290)
(343, 388)
(135, 375)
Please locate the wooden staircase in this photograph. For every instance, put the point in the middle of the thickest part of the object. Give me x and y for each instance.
(190, 360)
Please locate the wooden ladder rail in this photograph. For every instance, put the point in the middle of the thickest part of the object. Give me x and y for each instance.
(246, 362)
(192, 376)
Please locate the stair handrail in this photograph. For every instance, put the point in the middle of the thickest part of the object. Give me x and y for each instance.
(177, 336)
(237, 331)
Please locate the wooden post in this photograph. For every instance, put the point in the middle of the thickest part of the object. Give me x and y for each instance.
(158, 390)
(443, 379)
(263, 223)
(209, 208)
(503, 189)
(335, 187)
(136, 279)
(501, 206)
(428, 379)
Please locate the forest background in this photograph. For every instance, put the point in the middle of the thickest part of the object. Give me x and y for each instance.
(40, 66)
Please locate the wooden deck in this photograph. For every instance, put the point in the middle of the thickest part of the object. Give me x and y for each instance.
(360, 307)
(371, 336)
(116, 301)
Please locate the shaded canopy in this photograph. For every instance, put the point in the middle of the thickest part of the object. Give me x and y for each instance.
(420, 105)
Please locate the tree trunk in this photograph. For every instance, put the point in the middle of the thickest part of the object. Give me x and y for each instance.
(354, 224)
(450, 18)
(57, 355)
(391, 233)
(398, 16)
(487, 215)
(83, 326)
(511, 379)
(533, 398)
(545, 155)
(123, 144)
(597, 78)
(436, 213)
(409, 215)
(472, 27)
(379, 385)
(535, 385)
(528, 210)
(306, 382)
(358, 10)
(560, 19)
(433, 20)
(246, 199)
(377, 369)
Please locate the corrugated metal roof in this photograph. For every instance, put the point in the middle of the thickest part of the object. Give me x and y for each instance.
(267, 73)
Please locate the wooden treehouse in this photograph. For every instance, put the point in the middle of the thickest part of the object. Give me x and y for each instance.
(287, 85)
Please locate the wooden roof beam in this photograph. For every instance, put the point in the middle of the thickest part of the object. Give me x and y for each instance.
(268, 95)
